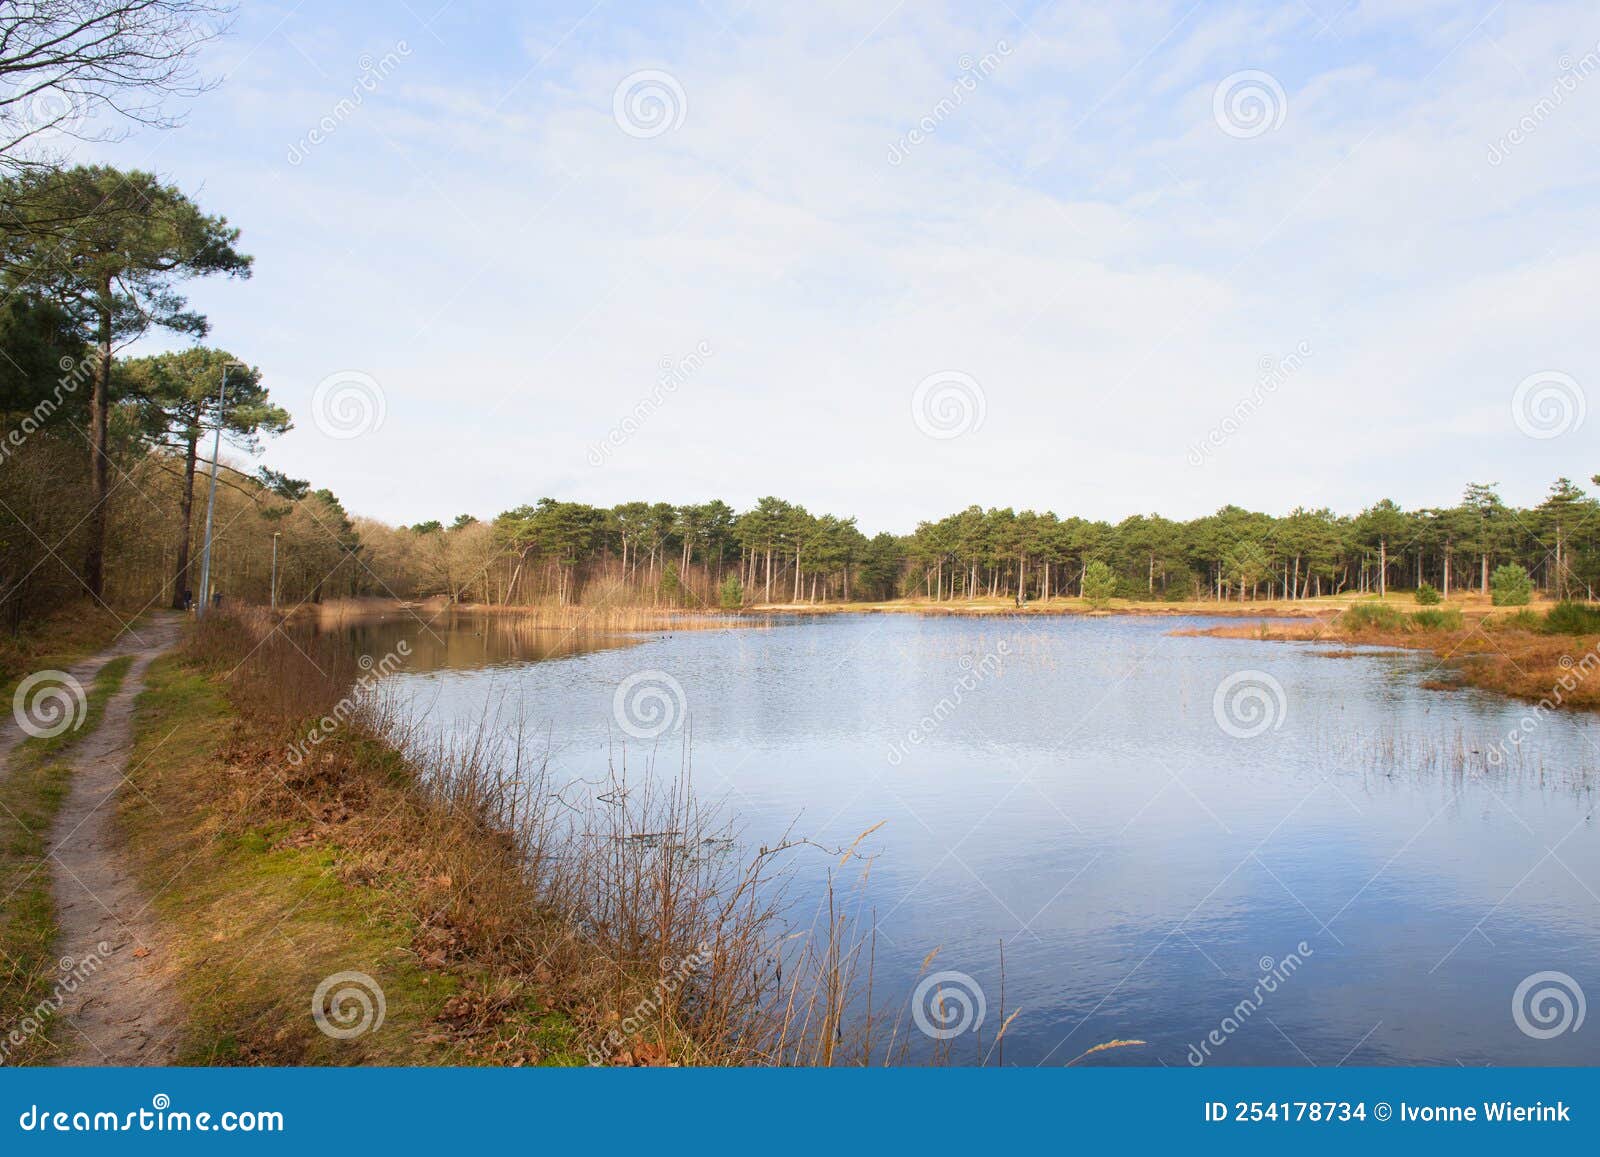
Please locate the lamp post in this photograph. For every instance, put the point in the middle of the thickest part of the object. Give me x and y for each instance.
(275, 536)
(211, 496)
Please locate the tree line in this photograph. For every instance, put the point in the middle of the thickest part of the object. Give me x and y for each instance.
(709, 554)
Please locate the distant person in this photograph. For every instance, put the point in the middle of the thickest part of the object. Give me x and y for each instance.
(216, 599)
(188, 600)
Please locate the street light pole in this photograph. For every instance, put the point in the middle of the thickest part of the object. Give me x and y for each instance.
(275, 535)
(211, 497)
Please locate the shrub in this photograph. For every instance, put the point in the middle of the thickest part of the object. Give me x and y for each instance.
(1374, 617)
(1099, 583)
(1439, 619)
(1428, 595)
(1510, 586)
(1523, 620)
(731, 596)
(1573, 619)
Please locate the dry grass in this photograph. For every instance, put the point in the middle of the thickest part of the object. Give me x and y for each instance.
(591, 618)
(270, 878)
(1491, 651)
(1323, 607)
(1532, 667)
(57, 640)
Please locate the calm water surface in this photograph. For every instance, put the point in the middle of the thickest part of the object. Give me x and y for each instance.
(1065, 786)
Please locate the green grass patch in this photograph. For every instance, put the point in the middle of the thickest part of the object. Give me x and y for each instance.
(33, 786)
(1439, 619)
(1374, 617)
(1523, 620)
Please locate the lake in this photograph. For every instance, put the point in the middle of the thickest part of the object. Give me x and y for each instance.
(1240, 852)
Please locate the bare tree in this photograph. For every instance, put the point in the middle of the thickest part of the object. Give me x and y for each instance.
(79, 67)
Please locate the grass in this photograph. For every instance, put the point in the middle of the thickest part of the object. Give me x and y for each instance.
(1549, 656)
(1523, 620)
(269, 886)
(1572, 619)
(1321, 607)
(33, 787)
(1373, 617)
(591, 617)
(1439, 619)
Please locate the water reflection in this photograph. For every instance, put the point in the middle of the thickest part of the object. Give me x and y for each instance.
(459, 640)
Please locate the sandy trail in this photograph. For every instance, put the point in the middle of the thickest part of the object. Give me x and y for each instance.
(131, 641)
(126, 1010)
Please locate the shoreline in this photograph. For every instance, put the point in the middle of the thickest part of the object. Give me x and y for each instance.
(1478, 645)
(1323, 608)
(472, 925)
(1554, 672)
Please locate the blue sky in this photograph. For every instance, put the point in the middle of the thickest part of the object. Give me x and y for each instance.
(1158, 298)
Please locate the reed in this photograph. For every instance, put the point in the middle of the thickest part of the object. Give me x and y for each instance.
(1515, 655)
(596, 618)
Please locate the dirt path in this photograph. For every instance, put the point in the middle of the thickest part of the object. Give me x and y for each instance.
(131, 641)
(126, 1010)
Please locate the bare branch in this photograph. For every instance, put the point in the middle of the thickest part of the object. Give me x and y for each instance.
(84, 69)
